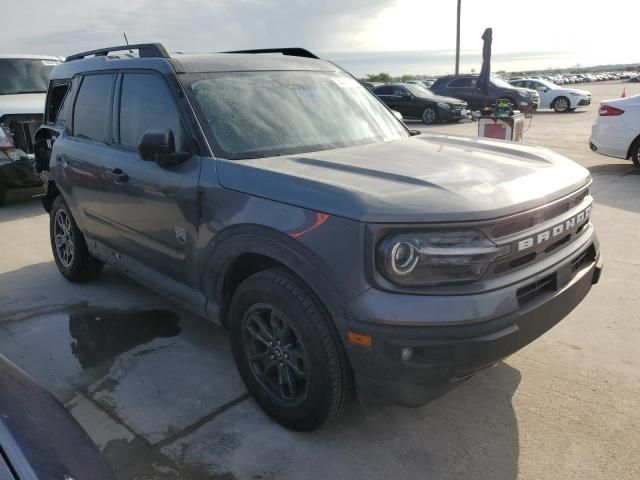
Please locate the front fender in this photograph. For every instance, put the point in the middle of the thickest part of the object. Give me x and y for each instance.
(293, 255)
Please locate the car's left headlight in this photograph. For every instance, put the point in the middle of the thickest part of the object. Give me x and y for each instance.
(577, 94)
(444, 106)
(436, 258)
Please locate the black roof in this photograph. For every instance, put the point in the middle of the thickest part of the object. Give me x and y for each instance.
(155, 57)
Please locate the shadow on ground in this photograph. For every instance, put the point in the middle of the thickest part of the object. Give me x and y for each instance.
(617, 185)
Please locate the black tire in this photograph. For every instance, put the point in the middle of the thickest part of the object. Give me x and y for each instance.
(322, 382)
(635, 152)
(429, 115)
(79, 265)
(561, 104)
(3, 194)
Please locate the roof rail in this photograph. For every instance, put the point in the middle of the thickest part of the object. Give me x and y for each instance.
(145, 50)
(294, 52)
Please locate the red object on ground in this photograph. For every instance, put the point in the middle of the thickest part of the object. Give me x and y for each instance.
(495, 131)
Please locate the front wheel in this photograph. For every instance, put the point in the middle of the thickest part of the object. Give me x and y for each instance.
(429, 116)
(561, 105)
(287, 352)
(70, 252)
(635, 153)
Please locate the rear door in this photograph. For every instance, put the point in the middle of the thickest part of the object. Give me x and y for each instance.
(404, 101)
(152, 211)
(465, 88)
(78, 154)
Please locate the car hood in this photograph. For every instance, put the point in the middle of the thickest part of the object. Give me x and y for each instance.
(22, 103)
(426, 178)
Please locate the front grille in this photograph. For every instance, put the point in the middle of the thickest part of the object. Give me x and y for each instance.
(23, 128)
(530, 292)
(539, 216)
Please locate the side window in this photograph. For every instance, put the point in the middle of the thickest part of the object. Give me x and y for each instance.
(383, 91)
(400, 91)
(91, 111)
(146, 104)
(464, 82)
(57, 95)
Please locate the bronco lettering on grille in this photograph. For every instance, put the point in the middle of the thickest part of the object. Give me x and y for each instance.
(551, 233)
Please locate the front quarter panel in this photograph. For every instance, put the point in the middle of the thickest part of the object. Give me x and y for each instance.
(325, 250)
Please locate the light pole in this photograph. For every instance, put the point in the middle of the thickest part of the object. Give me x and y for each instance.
(458, 40)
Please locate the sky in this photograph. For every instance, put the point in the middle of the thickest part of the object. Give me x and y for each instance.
(363, 36)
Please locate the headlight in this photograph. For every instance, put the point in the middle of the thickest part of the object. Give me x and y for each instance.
(444, 106)
(436, 258)
(576, 94)
(524, 94)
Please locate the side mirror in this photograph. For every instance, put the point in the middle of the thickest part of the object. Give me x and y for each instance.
(397, 114)
(544, 89)
(159, 146)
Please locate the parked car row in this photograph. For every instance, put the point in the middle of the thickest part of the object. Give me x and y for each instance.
(562, 79)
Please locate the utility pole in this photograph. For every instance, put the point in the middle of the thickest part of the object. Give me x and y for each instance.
(458, 40)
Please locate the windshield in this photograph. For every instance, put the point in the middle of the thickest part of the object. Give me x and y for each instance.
(18, 75)
(419, 91)
(262, 114)
(498, 82)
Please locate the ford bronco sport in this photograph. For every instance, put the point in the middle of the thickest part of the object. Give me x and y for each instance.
(269, 191)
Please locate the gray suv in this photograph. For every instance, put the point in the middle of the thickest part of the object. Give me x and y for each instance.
(271, 192)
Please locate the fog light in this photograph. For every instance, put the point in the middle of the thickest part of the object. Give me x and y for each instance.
(406, 354)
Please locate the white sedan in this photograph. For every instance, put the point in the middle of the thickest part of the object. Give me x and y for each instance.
(556, 97)
(616, 132)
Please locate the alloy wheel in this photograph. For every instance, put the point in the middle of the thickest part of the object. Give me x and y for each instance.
(429, 116)
(276, 356)
(562, 105)
(63, 235)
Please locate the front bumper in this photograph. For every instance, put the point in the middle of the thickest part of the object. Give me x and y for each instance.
(443, 355)
(454, 113)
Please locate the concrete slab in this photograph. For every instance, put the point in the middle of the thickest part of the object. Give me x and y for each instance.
(101, 428)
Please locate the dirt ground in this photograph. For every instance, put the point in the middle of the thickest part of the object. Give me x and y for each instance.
(158, 392)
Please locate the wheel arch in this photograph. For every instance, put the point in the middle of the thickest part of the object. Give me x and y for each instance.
(241, 251)
(50, 196)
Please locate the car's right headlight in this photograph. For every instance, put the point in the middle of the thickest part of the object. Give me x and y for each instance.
(436, 258)
(444, 106)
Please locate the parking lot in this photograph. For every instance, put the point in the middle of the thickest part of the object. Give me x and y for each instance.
(157, 389)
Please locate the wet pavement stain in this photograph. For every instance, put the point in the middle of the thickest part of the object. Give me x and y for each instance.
(100, 334)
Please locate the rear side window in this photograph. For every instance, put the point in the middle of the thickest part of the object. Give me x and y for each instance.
(91, 113)
(57, 95)
(383, 91)
(146, 104)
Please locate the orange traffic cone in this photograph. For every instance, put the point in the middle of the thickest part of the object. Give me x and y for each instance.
(624, 93)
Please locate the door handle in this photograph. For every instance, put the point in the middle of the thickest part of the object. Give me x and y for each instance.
(117, 175)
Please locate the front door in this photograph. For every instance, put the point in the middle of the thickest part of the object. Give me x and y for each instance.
(153, 210)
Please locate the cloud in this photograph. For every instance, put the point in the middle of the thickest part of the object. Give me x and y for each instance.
(187, 25)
